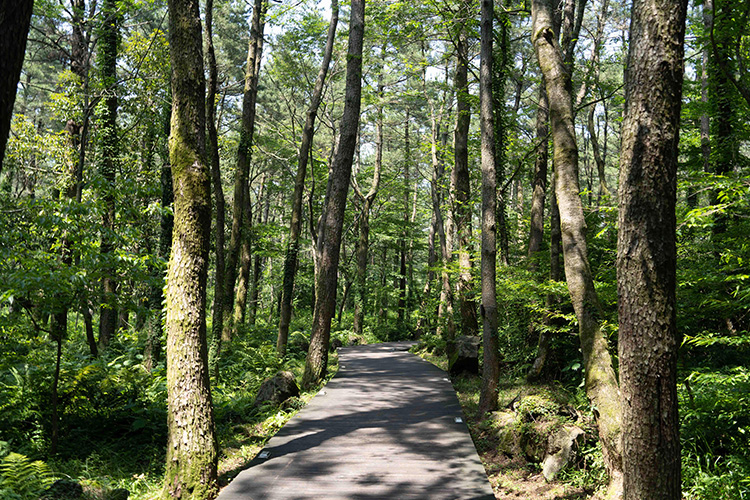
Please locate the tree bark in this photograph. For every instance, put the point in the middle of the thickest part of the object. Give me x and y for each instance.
(601, 383)
(460, 183)
(367, 200)
(109, 35)
(295, 227)
(646, 251)
(490, 368)
(536, 233)
(192, 449)
(244, 153)
(402, 313)
(329, 237)
(220, 208)
(15, 20)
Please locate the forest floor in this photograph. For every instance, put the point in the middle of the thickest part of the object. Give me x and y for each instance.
(513, 477)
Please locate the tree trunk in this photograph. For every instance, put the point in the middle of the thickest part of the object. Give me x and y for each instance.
(244, 152)
(220, 211)
(295, 227)
(540, 180)
(59, 329)
(192, 449)
(109, 35)
(383, 292)
(243, 278)
(401, 320)
(601, 383)
(363, 241)
(491, 368)
(15, 20)
(152, 352)
(329, 237)
(460, 185)
(647, 252)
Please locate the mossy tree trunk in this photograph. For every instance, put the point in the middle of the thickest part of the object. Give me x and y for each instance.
(329, 237)
(191, 447)
(647, 251)
(601, 382)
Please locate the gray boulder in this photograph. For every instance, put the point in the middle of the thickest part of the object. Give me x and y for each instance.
(463, 355)
(276, 390)
(561, 447)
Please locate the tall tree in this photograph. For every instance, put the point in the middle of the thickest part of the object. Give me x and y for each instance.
(244, 152)
(366, 201)
(647, 253)
(109, 36)
(536, 231)
(15, 19)
(220, 210)
(332, 219)
(192, 448)
(601, 382)
(491, 369)
(295, 226)
(460, 178)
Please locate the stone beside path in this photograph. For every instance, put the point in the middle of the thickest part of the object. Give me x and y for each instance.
(387, 426)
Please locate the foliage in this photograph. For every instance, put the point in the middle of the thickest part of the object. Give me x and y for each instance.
(22, 478)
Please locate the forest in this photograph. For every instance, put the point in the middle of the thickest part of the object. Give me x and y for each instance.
(195, 196)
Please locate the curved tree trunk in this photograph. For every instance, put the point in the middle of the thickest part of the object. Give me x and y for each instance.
(329, 239)
(295, 227)
(601, 383)
(192, 450)
(647, 251)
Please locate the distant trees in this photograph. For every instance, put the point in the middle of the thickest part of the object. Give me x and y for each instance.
(86, 208)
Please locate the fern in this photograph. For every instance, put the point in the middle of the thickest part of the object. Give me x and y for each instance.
(23, 478)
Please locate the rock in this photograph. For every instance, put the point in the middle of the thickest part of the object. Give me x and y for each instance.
(534, 439)
(276, 390)
(63, 489)
(118, 494)
(463, 355)
(508, 439)
(561, 448)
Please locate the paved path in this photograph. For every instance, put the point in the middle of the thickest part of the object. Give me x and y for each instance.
(383, 428)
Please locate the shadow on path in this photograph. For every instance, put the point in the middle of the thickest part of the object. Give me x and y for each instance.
(384, 427)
